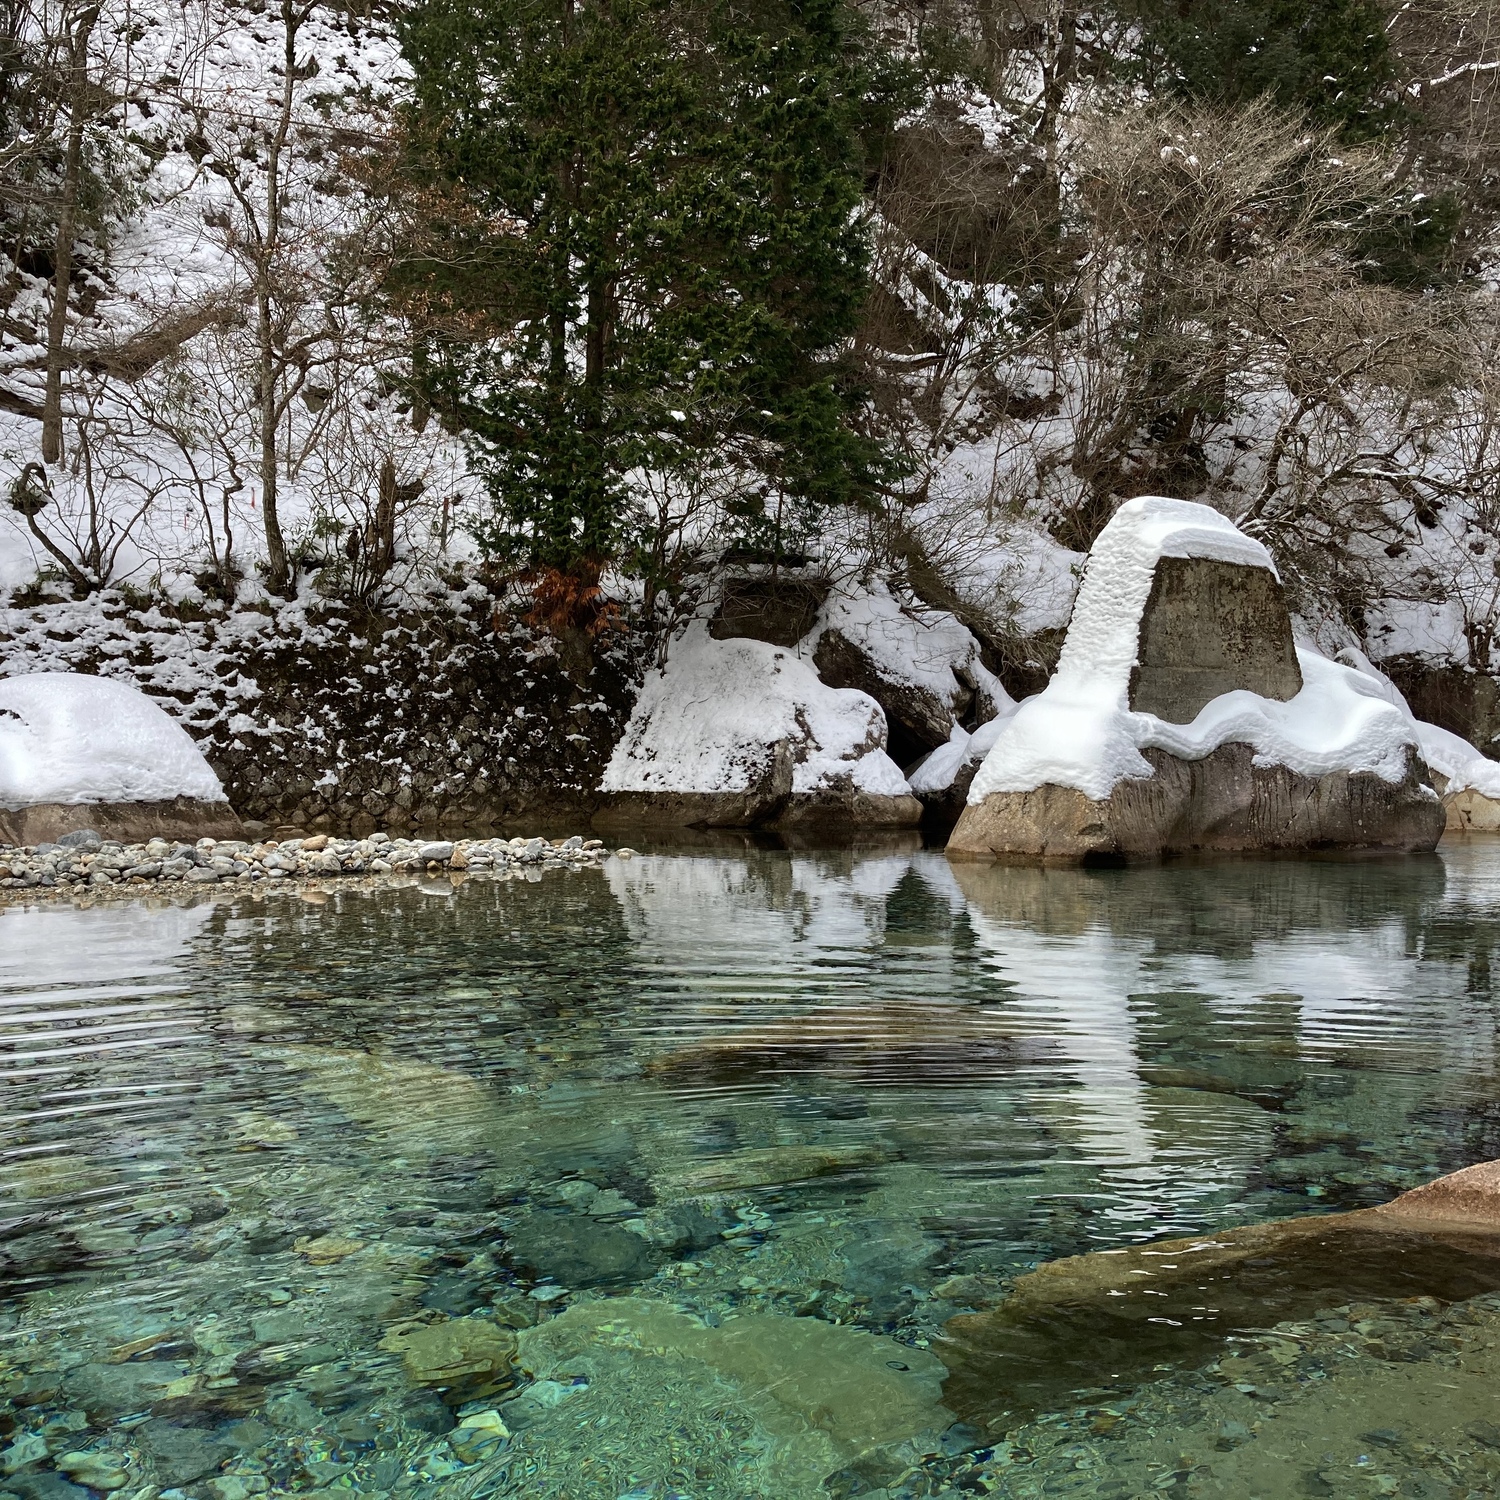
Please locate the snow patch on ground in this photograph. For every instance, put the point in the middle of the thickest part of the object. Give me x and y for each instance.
(1081, 732)
(706, 722)
(69, 738)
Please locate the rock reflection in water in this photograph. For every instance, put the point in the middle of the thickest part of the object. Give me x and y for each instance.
(288, 1183)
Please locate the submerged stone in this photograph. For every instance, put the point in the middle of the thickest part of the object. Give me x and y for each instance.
(1112, 1316)
(451, 1353)
(183, 1454)
(828, 1395)
(912, 1041)
(105, 1391)
(762, 1168)
(581, 1251)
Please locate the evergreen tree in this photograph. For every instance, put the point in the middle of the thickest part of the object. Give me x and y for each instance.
(648, 245)
(1326, 58)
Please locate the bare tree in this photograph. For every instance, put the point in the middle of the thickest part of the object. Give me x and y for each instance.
(77, 44)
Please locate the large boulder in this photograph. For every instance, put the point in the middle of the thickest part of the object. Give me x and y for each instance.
(1223, 802)
(1208, 628)
(777, 608)
(1181, 717)
(921, 665)
(738, 733)
(89, 752)
(1128, 1308)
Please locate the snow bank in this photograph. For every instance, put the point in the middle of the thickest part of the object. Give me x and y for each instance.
(69, 738)
(704, 723)
(1081, 732)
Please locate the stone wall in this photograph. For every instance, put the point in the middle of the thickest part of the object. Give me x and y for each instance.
(453, 718)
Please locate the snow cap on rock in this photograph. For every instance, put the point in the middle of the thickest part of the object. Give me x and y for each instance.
(708, 719)
(70, 738)
(1081, 731)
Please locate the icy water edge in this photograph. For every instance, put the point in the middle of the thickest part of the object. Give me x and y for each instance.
(667, 1180)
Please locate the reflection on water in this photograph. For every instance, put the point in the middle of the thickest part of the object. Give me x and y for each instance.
(668, 1179)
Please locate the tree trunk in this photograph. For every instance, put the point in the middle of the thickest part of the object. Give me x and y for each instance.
(278, 570)
(383, 548)
(62, 262)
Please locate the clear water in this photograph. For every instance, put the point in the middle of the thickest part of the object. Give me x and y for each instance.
(671, 1180)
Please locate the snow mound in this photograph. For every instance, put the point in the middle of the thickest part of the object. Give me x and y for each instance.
(1081, 732)
(70, 738)
(706, 721)
(938, 771)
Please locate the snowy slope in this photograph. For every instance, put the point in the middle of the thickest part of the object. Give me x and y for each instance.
(160, 472)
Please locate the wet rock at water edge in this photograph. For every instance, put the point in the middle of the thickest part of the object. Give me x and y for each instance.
(1128, 1308)
(581, 1251)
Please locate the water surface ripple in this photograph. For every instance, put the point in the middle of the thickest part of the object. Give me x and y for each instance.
(667, 1179)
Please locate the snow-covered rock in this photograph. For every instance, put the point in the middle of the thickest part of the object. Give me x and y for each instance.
(1078, 772)
(921, 665)
(1467, 780)
(942, 778)
(736, 733)
(70, 741)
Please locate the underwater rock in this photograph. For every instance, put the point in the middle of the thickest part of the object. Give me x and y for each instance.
(417, 1107)
(580, 1251)
(98, 1469)
(861, 1392)
(444, 1354)
(1123, 1311)
(106, 1391)
(44, 1485)
(326, 1249)
(914, 1041)
(761, 1168)
(181, 1454)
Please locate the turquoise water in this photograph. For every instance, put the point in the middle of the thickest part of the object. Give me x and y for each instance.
(671, 1178)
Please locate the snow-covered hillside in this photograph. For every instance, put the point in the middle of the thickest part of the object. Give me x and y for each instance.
(160, 481)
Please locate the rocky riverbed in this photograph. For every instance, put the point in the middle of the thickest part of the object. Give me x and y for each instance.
(83, 860)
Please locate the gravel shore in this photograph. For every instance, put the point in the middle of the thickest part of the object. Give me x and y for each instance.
(85, 860)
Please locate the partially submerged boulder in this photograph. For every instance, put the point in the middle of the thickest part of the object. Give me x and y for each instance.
(1123, 1311)
(740, 733)
(1157, 736)
(88, 752)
